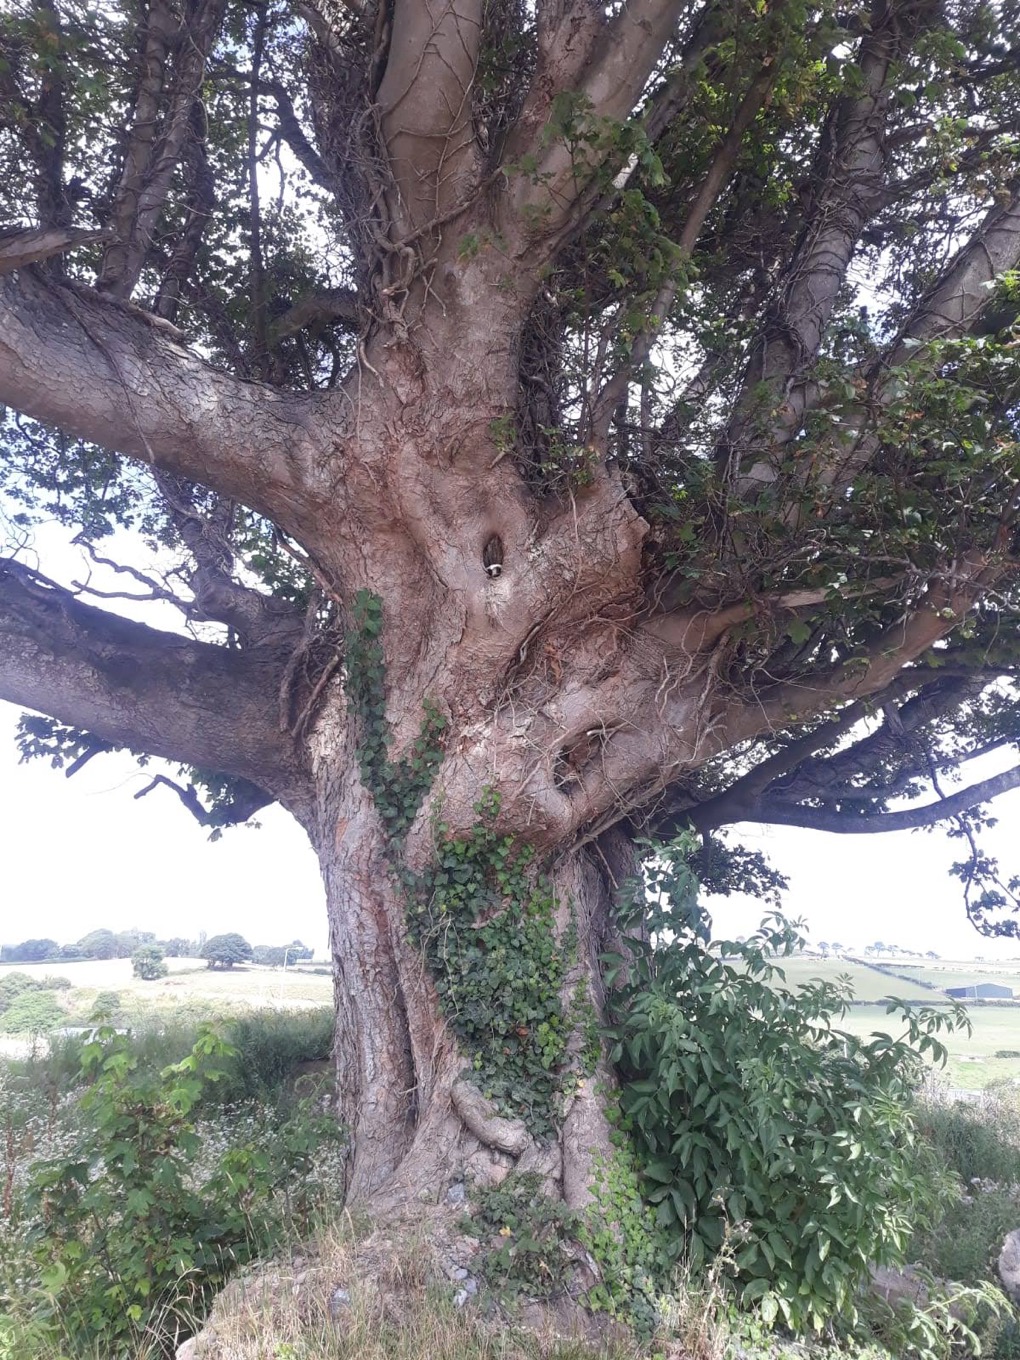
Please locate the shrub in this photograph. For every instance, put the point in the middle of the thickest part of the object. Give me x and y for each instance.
(13, 984)
(760, 1125)
(55, 984)
(132, 1229)
(32, 1012)
(148, 963)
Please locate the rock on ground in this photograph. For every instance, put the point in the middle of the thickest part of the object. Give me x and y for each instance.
(1009, 1265)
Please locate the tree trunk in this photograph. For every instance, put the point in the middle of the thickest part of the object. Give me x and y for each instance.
(410, 1099)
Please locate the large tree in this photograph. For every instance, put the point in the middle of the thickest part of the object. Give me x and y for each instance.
(567, 423)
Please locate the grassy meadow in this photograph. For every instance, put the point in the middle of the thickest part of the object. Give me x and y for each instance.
(194, 991)
(868, 985)
(191, 985)
(990, 1054)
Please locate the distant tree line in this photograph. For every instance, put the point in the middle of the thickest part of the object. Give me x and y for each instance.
(281, 955)
(125, 944)
(223, 951)
(97, 944)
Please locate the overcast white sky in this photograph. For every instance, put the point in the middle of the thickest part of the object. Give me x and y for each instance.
(82, 853)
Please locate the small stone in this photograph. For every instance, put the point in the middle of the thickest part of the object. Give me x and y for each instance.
(460, 1298)
(188, 1350)
(897, 1286)
(1009, 1264)
(470, 1286)
(457, 1193)
(458, 1273)
(471, 1243)
(339, 1302)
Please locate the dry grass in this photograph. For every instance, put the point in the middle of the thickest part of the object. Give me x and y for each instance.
(190, 983)
(384, 1296)
(377, 1300)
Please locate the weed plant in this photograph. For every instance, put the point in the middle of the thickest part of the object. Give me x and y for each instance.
(133, 1186)
(980, 1144)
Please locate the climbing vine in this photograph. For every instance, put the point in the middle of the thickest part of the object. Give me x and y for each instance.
(533, 1241)
(630, 1247)
(482, 917)
(485, 923)
(397, 787)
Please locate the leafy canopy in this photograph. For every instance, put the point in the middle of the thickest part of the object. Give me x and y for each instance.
(223, 951)
(758, 284)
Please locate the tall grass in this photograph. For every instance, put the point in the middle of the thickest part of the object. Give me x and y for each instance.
(269, 1046)
(980, 1143)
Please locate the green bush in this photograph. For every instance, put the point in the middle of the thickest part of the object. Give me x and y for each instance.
(53, 983)
(137, 1225)
(13, 984)
(32, 1012)
(148, 963)
(760, 1125)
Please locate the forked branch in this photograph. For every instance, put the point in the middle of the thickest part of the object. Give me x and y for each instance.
(779, 812)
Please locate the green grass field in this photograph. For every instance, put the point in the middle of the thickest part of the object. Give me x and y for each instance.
(972, 1064)
(960, 974)
(868, 985)
(192, 987)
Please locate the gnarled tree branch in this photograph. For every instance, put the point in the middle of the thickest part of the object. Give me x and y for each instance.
(319, 309)
(424, 103)
(192, 702)
(171, 73)
(102, 374)
(21, 246)
(797, 772)
(777, 812)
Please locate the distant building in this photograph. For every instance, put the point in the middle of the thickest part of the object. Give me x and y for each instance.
(982, 991)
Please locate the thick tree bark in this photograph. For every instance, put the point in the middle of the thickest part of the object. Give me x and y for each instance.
(415, 1118)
